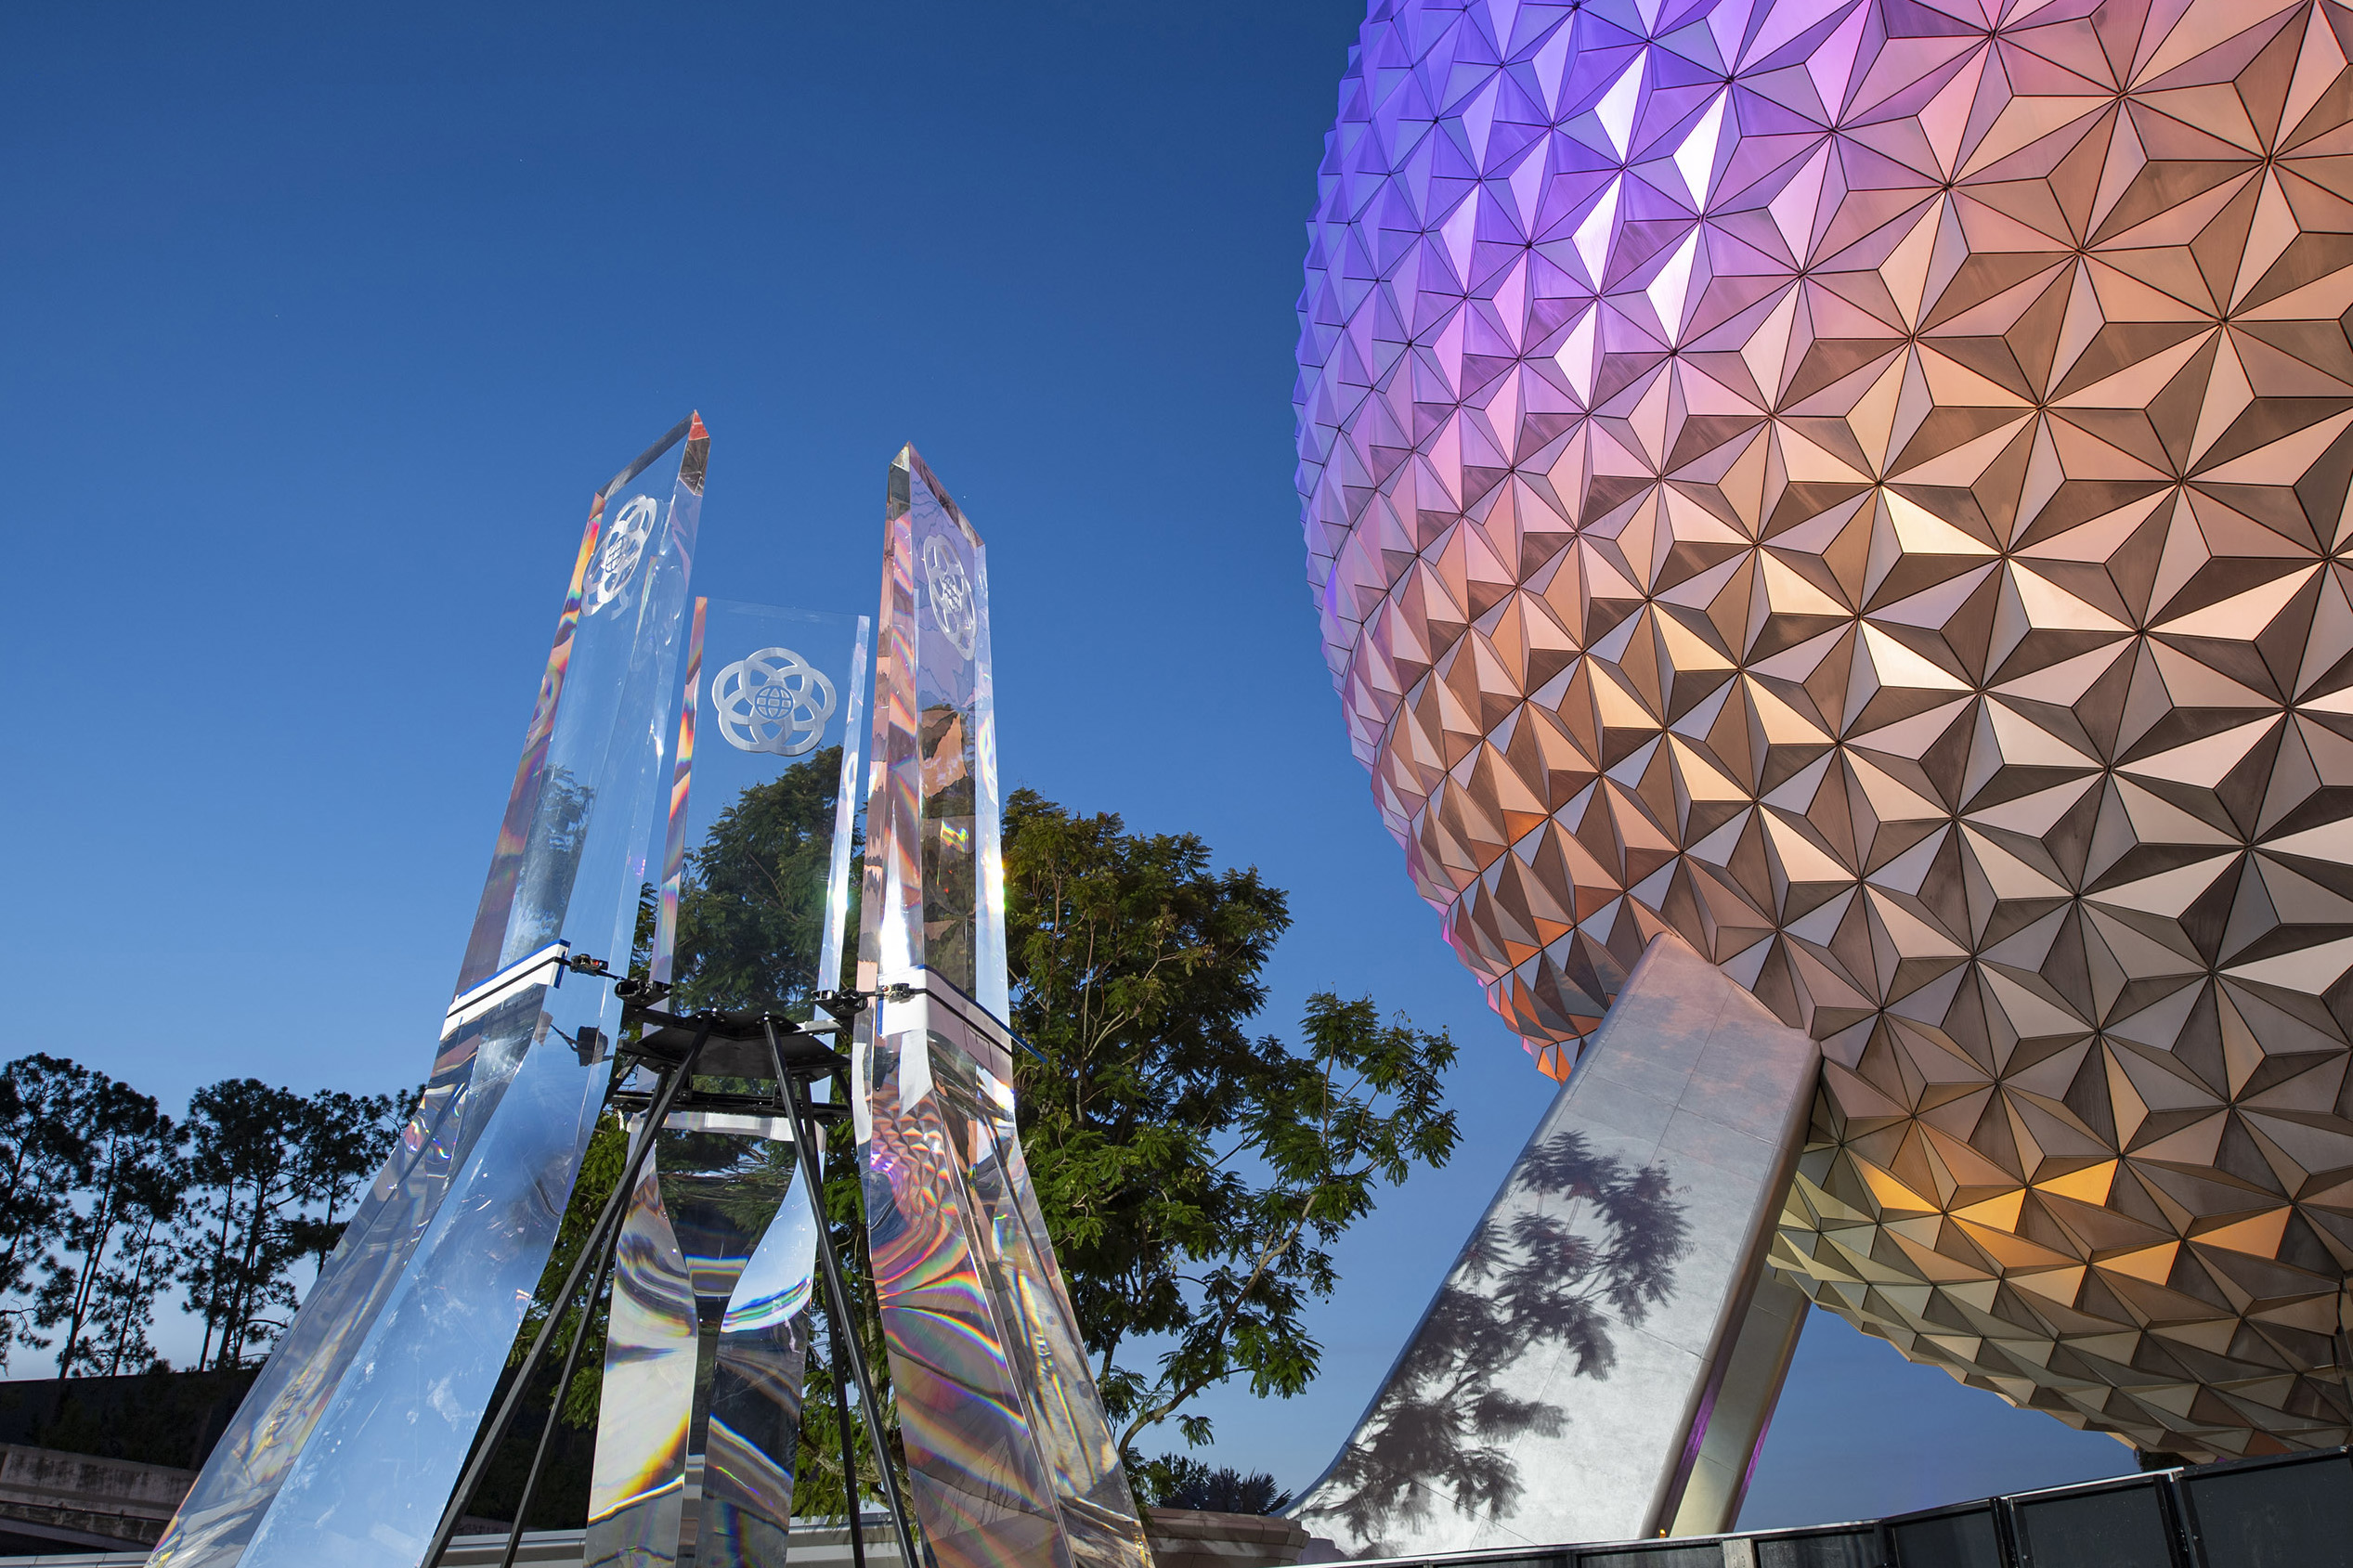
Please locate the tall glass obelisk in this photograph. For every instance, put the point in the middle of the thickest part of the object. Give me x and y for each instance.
(347, 1446)
(1011, 1457)
(698, 1429)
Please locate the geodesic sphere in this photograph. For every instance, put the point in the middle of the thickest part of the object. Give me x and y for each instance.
(1862, 485)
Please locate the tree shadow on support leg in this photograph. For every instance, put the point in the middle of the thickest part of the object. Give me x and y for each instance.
(1598, 1248)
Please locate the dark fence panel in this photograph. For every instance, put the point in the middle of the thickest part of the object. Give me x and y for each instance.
(1963, 1538)
(1848, 1548)
(1667, 1554)
(2291, 1511)
(2126, 1526)
(2296, 1514)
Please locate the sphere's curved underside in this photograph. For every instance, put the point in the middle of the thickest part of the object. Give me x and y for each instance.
(1862, 485)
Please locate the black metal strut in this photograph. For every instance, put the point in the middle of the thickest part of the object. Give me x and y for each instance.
(597, 1249)
(668, 1048)
(804, 1138)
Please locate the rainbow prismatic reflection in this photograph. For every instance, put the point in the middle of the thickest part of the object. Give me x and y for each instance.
(350, 1440)
(1011, 1457)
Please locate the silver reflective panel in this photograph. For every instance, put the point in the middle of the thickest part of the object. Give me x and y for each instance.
(648, 1397)
(1592, 1368)
(348, 1445)
(485, 1042)
(752, 1433)
(1012, 1457)
(701, 1407)
(371, 1482)
(1009, 1452)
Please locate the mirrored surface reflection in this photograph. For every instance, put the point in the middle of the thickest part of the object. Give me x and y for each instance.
(371, 1482)
(482, 1046)
(349, 1445)
(751, 1435)
(704, 1347)
(648, 1397)
(1013, 1459)
(934, 885)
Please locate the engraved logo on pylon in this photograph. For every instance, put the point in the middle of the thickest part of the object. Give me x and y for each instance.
(624, 547)
(949, 592)
(773, 701)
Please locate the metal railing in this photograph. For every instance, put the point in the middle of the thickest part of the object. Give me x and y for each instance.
(2293, 1511)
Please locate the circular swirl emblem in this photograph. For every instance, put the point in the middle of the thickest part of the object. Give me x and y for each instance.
(773, 701)
(624, 547)
(949, 592)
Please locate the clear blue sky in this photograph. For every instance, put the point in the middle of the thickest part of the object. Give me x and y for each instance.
(324, 322)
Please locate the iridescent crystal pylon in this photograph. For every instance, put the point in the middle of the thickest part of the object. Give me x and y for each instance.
(699, 1425)
(348, 1443)
(699, 1419)
(751, 1427)
(1012, 1455)
(1863, 485)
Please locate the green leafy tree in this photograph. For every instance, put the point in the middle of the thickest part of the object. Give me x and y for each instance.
(1192, 1175)
(123, 1302)
(105, 1202)
(752, 901)
(1181, 1480)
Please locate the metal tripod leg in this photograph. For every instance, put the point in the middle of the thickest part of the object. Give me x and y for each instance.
(556, 1410)
(841, 1402)
(848, 1445)
(599, 1245)
(838, 1302)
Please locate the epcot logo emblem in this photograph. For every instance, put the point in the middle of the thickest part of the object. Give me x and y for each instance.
(773, 701)
(949, 592)
(624, 547)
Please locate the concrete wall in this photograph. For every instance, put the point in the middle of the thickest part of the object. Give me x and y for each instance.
(79, 1499)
